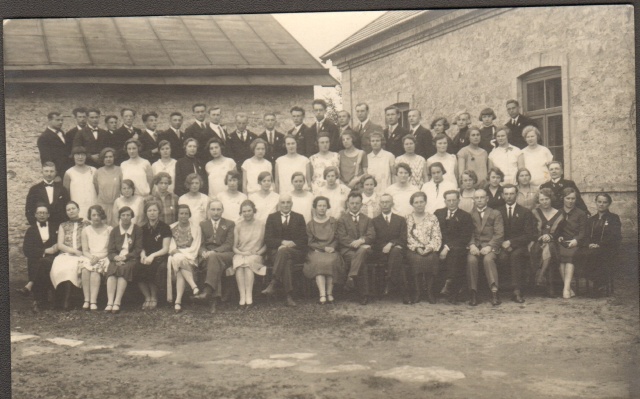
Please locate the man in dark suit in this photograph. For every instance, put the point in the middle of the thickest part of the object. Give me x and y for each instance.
(216, 252)
(174, 135)
(558, 183)
(344, 120)
(80, 115)
(461, 139)
(286, 240)
(324, 126)
(456, 227)
(197, 130)
(274, 139)
(39, 247)
(365, 127)
(111, 124)
(150, 138)
(424, 139)
(52, 145)
(92, 138)
(239, 143)
(485, 244)
(517, 123)
(390, 243)
(307, 144)
(394, 133)
(48, 192)
(519, 231)
(356, 234)
(125, 132)
(214, 130)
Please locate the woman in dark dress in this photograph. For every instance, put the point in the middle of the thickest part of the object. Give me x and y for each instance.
(187, 165)
(572, 236)
(494, 189)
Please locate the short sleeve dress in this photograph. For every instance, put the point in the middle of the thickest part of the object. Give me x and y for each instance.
(252, 167)
(477, 161)
(302, 204)
(250, 237)
(169, 167)
(320, 263)
(416, 163)
(287, 166)
(536, 161)
(401, 197)
(231, 204)
(81, 188)
(265, 205)
(352, 165)
(108, 183)
(66, 267)
(98, 247)
(136, 203)
(136, 171)
(216, 172)
(370, 205)
(197, 205)
(337, 199)
(449, 161)
(319, 163)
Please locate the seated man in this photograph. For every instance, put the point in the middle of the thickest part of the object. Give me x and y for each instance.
(485, 242)
(286, 240)
(355, 236)
(456, 227)
(40, 248)
(216, 250)
(519, 231)
(391, 239)
(558, 183)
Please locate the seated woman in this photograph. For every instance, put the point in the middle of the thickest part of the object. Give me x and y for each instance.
(544, 251)
(168, 201)
(254, 166)
(353, 162)
(165, 164)
(137, 169)
(301, 198)
(129, 198)
(402, 190)
(248, 247)
(335, 191)
(442, 155)
(231, 198)
(183, 255)
(188, 165)
(323, 262)
(473, 157)
(217, 168)
(289, 164)
(572, 236)
(323, 159)
(468, 181)
(196, 201)
(536, 157)
(125, 245)
(66, 265)
(95, 247)
(156, 237)
(494, 189)
(527, 192)
(424, 239)
(266, 199)
(370, 200)
(417, 163)
(505, 156)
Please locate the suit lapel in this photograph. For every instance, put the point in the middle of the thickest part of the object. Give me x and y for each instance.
(486, 216)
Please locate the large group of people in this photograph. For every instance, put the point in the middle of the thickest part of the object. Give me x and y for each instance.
(181, 210)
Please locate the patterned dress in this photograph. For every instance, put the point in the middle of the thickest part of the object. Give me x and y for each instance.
(66, 267)
(319, 163)
(417, 164)
(424, 234)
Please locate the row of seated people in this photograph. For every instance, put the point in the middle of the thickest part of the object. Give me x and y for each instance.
(80, 252)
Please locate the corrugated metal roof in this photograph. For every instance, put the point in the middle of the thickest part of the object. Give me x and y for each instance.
(173, 43)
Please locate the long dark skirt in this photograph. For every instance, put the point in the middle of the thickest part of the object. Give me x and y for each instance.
(417, 264)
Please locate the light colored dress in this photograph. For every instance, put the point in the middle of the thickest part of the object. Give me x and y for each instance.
(265, 205)
(319, 163)
(379, 166)
(187, 242)
(81, 188)
(252, 167)
(250, 237)
(507, 160)
(169, 167)
(417, 164)
(401, 197)
(536, 161)
(287, 166)
(217, 172)
(528, 197)
(423, 234)
(136, 203)
(477, 161)
(66, 267)
(435, 194)
(98, 247)
(108, 184)
(352, 166)
(137, 171)
(450, 162)
(466, 201)
(197, 205)
(337, 199)
(231, 204)
(370, 205)
(303, 204)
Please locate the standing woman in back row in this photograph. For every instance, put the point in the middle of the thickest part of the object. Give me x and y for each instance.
(107, 182)
(474, 158)
(536, 157)
(289, 164)
(137, 169)
(78, 180)
(187, 165)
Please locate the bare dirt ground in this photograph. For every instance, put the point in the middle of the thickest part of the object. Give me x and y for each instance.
(544, 348)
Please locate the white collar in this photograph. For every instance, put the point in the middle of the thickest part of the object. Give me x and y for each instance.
(54, 131)
(510, 206)
(393, 127)
(387, 214)
(414, 128)
(128, 231)
(556, 180)
(483, 209)
(516, 118)
(92, 128)
(128, 127)
(149, 131)
(354, 215)
(214, 125)
(322, 121)
(452, 211)
(176, 131)
(364, 122)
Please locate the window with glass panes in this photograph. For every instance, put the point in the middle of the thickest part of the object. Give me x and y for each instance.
(542, 94)
(404, 114)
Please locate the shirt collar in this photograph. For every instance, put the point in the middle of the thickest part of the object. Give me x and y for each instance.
(556, 180)
(387, 214)
(414, 128)
(452, 211)
(46, 182)
(128, 231)
(365, 122)
(285, 214)
(151, 132)
(482, 210)
(353, 215)
(55, 131)
(393, 127)
(176, 131)
(92, 127)
(322, 121)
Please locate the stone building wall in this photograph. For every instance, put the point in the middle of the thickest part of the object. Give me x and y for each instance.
(26, 108)
(479, 65)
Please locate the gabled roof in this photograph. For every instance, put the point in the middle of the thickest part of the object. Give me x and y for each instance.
(161, 46)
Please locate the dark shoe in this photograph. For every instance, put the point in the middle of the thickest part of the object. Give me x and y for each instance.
(201, 297)
(406, 300)
(290, 302)
(226, 295)
(495, 299)
(271, 288)
(551, 293)
(51, 296)
(517, 297)
(430, 296)
(350, 284)
(364, 300)
(24, 291)
(473, 300)
(35, 308)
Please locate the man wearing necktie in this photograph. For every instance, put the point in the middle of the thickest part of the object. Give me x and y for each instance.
(174, 135)
(394, 133)
(517, 123)
(92, 138)
(390, 243)
(365, 127)
(239, 142)
(198, 130)
(111, 122)
(52, 145)
(323, 125)
(424, 140)
(125, 132)
(519, 231)
(274, 139)
(80, 115)
(307, 144)
(356, 234)
(150, 138)
(49, 192)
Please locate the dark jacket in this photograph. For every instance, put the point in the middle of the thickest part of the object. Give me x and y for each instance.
(494, 201)
(394, 142)
(516, 130)
(607, 233)
(521, 230)
(240, 150)
(122, 134)
(295, 231)
(33, 247)
(184, 167)
(116, 240)
(177, 142)
(424, 142)
(457, 231)
(394, 232)
(38, 193)
(223, 239)
(148, 145)
(307, 144)
(52, 149)
(329, 129)
(487, 138)
(85, 138)
(460, 141)
(365, 134)
(557, 189)
(349, 232)
(275, 150)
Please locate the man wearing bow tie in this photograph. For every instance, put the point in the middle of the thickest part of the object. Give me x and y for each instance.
(80, 115)
(394, 133)
(52, 145)
(307, 144)
(48, 192)
(92, 138)
(274, 139)
(174, 135)
(239, 142)
(558, 183)
(150, 138)
(365, 127)
(324, 126)
(125, 132)
(517, 122)
(519, 231)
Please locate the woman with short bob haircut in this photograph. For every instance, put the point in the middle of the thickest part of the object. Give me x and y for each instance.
(417, 163)
(544, 251)
(572, 236)
(254, 166)
(232, 198)
(402, 190)
(194, 197)
(183, 255)
(95, 248)
(536, 157)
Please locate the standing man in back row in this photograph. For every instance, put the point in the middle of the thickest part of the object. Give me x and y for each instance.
(52, 145)
(197, 130)
(424, 140)
(306, 143)
(125, 132)
(274, 139)
(394, 133)
(324, 126)
(92, 138)
(365, 127)
(517, 123)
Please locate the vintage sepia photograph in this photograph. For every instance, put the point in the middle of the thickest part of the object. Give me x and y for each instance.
(338, 205)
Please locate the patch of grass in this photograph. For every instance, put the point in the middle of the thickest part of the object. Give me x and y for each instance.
(379, 383)
(384, 334)
(435, 385)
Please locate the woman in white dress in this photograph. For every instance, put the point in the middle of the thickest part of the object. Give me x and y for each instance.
(231, 198)
(217, 168)
(197, 201)
(289, 164)
(66, 265)
(95, 248)
(335, 191)
(536, 157)
(370, 199)
(137, 169)
(266, 200)
(78, 180)
(505, 156)
(248, 248)
(323, 159)
(402, 190)
(417, 163)
(254, 166)
(183, 255)
(302, 199)
(128, 197)
(449, 161)
(165, 163)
